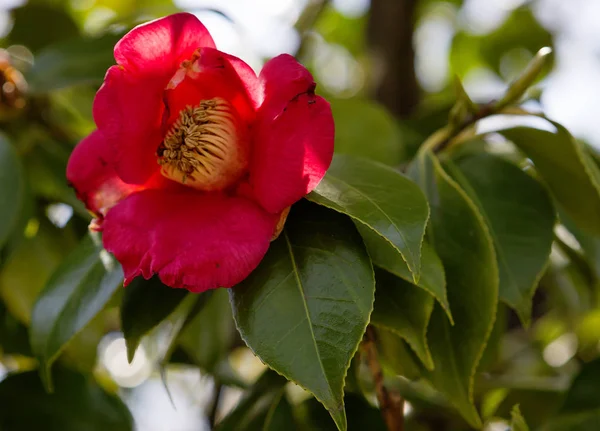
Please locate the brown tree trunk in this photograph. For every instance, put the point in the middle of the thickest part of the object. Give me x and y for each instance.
(390, 41)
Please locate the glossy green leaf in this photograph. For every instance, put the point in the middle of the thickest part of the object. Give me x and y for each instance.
(382, 199)
(12, 189)
(404, 309)
(567, 168)
(461, 239)
(209, 335)
(517, 422)
(73, 62)
(145, 304)
(76, 292)
(385, 256)
(77, 404)
(304, 310)
(360, 121)
(520, 217)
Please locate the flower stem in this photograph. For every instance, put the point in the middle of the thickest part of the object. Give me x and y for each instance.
(390, 404)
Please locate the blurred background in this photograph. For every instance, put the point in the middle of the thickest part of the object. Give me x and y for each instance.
(387, 66)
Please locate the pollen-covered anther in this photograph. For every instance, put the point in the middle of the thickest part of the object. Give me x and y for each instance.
(204, 148)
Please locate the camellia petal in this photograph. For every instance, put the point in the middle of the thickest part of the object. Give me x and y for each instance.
(91, 173)
(157, 48)
(129, 106)
(191, 240)
(208, 75)
(129, 111)
(292, 151)
(281, 79)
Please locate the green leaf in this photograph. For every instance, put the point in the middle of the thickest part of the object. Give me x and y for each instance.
(77, 404)
(304, 310)
(145, 304)
(13, 189)
(581, 408)
(567, 168)
(209, 335)
(73, 62)
(385, 256)
(584, 393)
(460, 237)
(38, 25)
(517, 421)
(520, 217)
(382, 199)
(255, 403)
(404, 309)
(396, 356)
(280, 415)
(76, 292)
(360, 121)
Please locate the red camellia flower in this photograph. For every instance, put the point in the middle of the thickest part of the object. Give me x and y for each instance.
(196, 160)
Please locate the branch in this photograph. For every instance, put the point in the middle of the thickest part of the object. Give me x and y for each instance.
(214, 407)
(390, 404)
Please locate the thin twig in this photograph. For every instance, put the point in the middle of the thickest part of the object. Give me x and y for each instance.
(391, 404)
(307, 21)
(214, 408)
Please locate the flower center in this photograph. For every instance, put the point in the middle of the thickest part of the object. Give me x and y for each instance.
(203, 148)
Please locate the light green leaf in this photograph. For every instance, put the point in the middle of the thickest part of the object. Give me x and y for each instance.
(405, 310)
(385, 256)
(77, 404)
(396, 356)
(460, 237)
(567, 168)
(304, 310)
(13, 189)
(517, 421)
(520, 217)
(73, 62)
(380, 198)
(145, 304)
(77, 291)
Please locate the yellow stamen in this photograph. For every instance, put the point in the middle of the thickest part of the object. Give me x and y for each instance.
(203, 148)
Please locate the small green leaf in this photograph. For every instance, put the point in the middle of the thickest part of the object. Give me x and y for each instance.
(517, 421)
(405, 310)
(77, 404)
(13, 189)
(77, 291)
(73, 62)
(385, 256)
(520, 217)
(254, 404)
(209, 335)
(567, 168)
(304, 310)
(145, 304)
(280, 415)
(382, 199)
(396, 356)
(581, 408)
(460, 237)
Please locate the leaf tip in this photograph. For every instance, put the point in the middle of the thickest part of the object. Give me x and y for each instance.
(131, 344)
